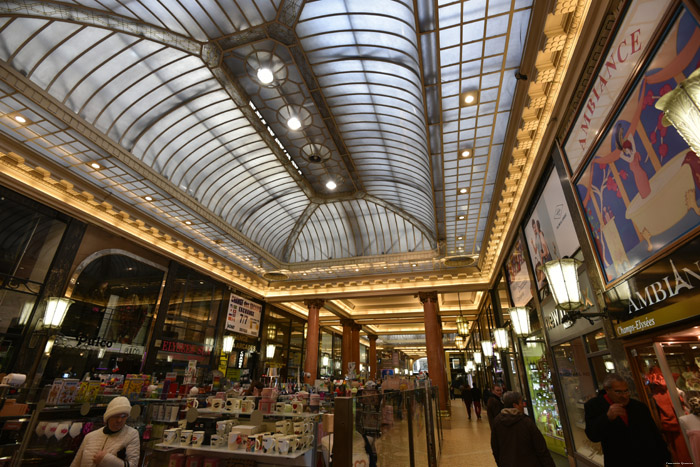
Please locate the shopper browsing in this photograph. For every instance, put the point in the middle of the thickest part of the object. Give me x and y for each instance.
(494, 404)
(515, 439)
(624, 427)
(115, 444)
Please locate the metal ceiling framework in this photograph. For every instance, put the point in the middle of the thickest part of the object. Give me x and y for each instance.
(195, 155)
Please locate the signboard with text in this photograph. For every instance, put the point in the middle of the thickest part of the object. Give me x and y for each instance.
(243, 316)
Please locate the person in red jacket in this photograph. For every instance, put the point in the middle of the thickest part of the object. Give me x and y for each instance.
(515, 439)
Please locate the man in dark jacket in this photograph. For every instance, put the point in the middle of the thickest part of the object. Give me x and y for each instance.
(494, 404)
(515, 439)
(467, 398)
(624, 427)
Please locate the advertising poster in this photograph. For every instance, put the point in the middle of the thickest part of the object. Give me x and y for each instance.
(639, 191)
(550, 231)
(625, 53)
(243, 316)
(517, 275)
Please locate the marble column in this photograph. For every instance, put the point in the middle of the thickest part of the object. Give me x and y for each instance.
(433, 342)
(373, 365)
(312, 341)
(347, 343)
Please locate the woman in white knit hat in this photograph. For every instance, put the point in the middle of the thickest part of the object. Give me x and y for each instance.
(115, 444)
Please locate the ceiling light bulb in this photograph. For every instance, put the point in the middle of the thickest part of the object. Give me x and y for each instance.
(265, 75)
(188, 223)
(331, 185)
(357, 269)
(148, 198)
(20, 119)
(414, 265)
(95, 166)
(469, 98)
(462, 190)
(466, 153)
(461, 218)
(460, 238)
(294, 123)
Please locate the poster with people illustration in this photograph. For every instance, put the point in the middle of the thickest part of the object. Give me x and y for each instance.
(517, 275)
(550, 231)
(639, 190)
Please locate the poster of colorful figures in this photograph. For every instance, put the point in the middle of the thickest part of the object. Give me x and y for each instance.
(640, 188)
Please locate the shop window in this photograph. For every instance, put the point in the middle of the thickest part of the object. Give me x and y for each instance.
(578, 387)
(337, 356)
(106, 328)
(296, 351)
(596, 342)
(276, 331)
(325, 356)
(544, 404)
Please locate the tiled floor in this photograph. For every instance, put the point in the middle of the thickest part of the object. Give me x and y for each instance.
(466, 443)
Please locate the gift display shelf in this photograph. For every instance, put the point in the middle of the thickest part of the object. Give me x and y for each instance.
(269, 415)
(237, 453)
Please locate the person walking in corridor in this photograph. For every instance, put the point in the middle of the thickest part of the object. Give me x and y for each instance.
(494, 404)
(624, 427)
(515, 439)
(467, 398)
(476, 400)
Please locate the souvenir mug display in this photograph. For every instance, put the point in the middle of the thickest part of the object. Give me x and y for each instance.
(197, 438)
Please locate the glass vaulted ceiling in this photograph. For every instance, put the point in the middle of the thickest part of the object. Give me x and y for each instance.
(180, 117)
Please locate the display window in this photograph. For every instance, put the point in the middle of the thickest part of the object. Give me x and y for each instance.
(541, 388)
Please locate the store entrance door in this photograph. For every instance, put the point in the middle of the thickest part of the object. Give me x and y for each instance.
(659, 368)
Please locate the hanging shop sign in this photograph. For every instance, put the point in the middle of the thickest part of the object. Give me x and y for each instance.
(625, 52)
(84, 342)
(665, 292)
(243, 316)
(640, 188)
(559, 329)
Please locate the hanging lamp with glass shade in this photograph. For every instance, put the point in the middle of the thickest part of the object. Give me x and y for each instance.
(520, 318)
(460, 342)
(487, 348)
(462, 323)
(271, 331)
(562, 277)
(500, 335)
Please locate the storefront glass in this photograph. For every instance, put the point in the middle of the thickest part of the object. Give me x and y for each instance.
(337, 356)
(325, 361)
(296, 351)
(544, 404)
(276, 331)
(578, 387)
(107, 327)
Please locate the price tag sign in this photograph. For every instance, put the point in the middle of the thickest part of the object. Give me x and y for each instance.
(243, 316)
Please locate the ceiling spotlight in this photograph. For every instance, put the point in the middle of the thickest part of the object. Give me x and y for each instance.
(294, 123)
(466, 153)
(188, 222)
(303, 273)
(414, 265)
(265, 75)
(331, 185)
(148, 198)
(357, 269)
(461, 218)
(20, 119)
(95, 165)
(468, 98)
(463, 190)
(460, 238)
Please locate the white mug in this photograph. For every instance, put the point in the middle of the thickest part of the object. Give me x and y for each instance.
(192, 403)
(197, 438)
(62, 430)
(75, 429)
(186, 437)
(215, 441)
(269, 443)
(171, 436)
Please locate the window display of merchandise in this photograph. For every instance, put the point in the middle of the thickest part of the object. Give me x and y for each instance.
(578, 387)
(544, 403)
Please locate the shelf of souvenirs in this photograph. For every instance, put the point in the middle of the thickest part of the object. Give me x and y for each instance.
(242, 453)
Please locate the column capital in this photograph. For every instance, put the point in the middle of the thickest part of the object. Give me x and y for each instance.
(372, 337)
(314, 303)
(357, 327)
(427, 297)
(347, 322)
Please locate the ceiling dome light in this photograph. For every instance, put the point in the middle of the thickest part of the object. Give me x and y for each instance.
(294, 123)
(466, 153)
(20, 119)
(148, 198)
(331, 185)
(463, 190)
(265, 75)
(95, 166)
(468, 99)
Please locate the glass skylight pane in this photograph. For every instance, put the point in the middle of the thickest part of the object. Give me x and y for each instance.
(473, 31)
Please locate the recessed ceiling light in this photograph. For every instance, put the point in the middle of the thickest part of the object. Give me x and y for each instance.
(357, 269)
(148, 198)
(95, 165)
(460, 238)
(303, 273)
(466, 153)
(384, 267)
(265, 75)
(331, 185)
(20, 119)
(414, 265)
(188, 222)
(463, 190)
(461, 218)
(468, 98)
(294, 123)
